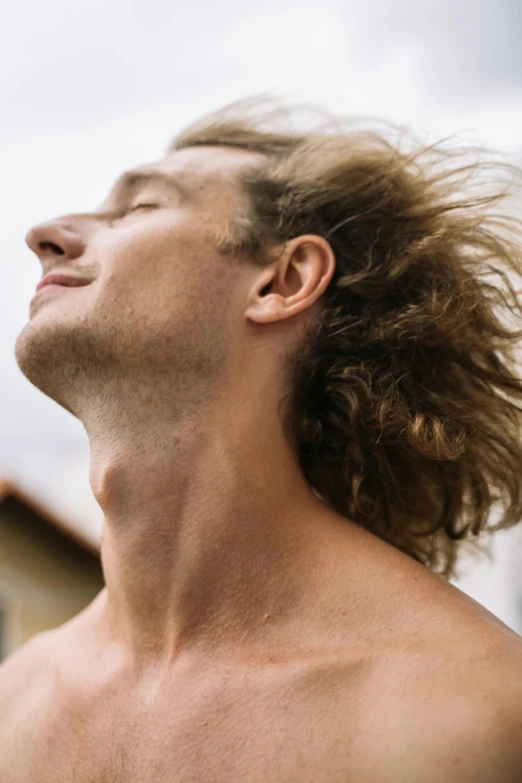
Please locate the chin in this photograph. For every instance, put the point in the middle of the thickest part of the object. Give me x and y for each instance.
(33, 352)
(45, 353)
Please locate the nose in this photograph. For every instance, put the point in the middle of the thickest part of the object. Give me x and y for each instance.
(54, 240)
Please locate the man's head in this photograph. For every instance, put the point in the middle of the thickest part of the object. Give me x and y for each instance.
(327, 263)
(163, 296)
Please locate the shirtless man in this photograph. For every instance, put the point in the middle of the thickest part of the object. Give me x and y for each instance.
(251, 630)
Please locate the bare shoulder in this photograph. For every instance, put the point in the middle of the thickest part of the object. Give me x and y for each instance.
(30, 670)
(466, 690)
(463, 711)
(24, 660)
(22, 675)
(429, 688)
(442, 695)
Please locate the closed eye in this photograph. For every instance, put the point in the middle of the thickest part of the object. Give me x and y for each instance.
(133, 208)
(124, 211)
(140, 206)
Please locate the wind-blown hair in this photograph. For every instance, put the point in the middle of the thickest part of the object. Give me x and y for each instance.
(403, 397)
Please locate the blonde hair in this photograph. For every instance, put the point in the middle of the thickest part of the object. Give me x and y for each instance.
(403, 397)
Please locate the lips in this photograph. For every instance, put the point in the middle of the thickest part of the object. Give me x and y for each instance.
(56, 278)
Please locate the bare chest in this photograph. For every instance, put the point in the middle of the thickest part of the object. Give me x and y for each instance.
(241, 729)
(310, 723)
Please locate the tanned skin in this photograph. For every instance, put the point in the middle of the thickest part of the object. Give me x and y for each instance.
(247, 633)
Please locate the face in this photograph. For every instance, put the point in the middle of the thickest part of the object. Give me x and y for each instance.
(158, 303)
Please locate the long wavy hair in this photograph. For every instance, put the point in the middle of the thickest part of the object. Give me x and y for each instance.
(403, 396)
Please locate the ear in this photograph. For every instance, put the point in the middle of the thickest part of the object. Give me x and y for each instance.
(294, 282)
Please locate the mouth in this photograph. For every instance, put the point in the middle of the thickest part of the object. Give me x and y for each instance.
(55, 286)
(61, 279)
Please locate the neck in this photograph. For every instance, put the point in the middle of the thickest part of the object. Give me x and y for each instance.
(212, 535)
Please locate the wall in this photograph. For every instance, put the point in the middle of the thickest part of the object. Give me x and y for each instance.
(45, 578)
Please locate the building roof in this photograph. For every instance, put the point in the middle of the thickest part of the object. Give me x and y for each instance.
(9, 488)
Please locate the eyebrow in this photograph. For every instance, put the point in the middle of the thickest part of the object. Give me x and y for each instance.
(143, 176)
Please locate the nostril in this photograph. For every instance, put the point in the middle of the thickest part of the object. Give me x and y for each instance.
(51, 246)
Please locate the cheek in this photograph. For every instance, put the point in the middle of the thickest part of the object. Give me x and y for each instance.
(158, 273)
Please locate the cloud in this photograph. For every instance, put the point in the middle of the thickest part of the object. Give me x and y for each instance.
(469, 49)
(70, 65)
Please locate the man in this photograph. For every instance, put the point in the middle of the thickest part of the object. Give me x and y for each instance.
(284, 360)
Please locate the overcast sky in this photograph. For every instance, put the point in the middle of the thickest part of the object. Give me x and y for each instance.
(90, 89)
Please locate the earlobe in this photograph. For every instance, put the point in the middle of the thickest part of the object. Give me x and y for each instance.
(266, 310)
(261, 306)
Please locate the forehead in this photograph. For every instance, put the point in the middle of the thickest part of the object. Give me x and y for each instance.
(201, 170)
(210, 162)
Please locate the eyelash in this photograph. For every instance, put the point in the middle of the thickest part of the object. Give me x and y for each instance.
(130, 210)
(138, 206)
